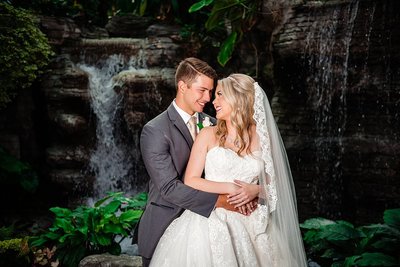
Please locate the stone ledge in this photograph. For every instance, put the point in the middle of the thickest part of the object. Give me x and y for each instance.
(108, 260)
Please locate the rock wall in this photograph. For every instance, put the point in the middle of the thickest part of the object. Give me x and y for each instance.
(331, 69)
(145, 84)
(337, 104)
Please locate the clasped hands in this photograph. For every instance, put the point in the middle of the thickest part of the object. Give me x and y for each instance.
(243, 199)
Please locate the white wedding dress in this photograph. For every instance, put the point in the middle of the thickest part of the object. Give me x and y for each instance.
(226, 238)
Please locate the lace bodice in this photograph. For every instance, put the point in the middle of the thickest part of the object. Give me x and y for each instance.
(224, 165)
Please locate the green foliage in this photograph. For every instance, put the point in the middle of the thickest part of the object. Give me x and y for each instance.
(91, 230)
(13, 171)
(339, 243)
(14, 252)
(24, 51)
(226, 49)
(11, 244)
(234, 17)
(6, 232)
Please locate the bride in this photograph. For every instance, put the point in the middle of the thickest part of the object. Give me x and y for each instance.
(244, 145)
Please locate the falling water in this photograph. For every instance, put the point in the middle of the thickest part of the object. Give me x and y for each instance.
(111, 160)
(368, 25)
(327, 53)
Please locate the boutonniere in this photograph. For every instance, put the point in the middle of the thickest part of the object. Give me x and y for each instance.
(205, 123)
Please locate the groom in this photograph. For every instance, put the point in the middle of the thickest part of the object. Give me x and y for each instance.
(165, 144)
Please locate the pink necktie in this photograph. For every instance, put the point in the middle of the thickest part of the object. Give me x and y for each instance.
(192, 126)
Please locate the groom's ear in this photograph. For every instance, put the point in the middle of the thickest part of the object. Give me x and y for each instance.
(181, 86)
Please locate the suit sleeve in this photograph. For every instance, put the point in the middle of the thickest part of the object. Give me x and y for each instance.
(155, 150)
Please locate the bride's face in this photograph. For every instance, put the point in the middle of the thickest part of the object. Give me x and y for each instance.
(223, 109)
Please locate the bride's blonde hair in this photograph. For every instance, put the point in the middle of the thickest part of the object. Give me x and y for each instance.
(238, 91)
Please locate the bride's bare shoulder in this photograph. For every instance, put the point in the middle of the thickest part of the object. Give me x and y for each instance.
(208, 133)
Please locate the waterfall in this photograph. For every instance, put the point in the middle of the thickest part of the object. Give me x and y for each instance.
(327, 53)
(112, 160)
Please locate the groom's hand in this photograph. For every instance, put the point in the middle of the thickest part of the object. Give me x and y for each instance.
(222, 202)
(246, 209)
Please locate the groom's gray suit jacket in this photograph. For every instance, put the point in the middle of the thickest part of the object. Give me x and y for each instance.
(165, 145)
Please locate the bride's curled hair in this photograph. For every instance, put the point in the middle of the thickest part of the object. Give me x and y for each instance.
(238, 91)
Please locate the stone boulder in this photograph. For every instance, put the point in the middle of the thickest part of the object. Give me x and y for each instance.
(108, 260)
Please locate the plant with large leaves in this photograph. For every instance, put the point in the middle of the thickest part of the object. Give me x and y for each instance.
(91, 230)
(234, 17)
(339, 243)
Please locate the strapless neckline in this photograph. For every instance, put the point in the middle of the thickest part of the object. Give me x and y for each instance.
(224, 165)
(234, 152)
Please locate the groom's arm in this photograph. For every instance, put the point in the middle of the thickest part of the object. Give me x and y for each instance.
(155, 149)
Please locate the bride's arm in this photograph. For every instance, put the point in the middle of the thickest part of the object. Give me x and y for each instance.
(204, 141)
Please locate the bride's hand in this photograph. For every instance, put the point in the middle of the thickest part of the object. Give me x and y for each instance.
(248, 208)
(232, 189)
(244, 195)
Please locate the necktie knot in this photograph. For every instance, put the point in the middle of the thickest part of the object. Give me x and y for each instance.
(192, 126)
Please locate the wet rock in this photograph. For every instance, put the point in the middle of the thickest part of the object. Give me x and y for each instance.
(128, 26)
(107, 260)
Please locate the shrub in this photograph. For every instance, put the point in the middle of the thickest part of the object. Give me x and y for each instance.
(13, 251)
(90, 230)
(339, 243)
(16, 173)
(24, 51)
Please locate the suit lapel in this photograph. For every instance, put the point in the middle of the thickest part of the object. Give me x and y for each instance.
(178, 122)
(201, 116)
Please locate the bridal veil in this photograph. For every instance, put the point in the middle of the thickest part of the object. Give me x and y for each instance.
(277, 195)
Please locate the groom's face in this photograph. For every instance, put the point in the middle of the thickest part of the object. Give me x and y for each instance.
(197, 95)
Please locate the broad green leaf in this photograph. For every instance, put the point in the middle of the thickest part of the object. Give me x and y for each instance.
(109, 196)
(63, 224)
(130, 216)
(392, 217)
(345, 223)
(330, 253)
(199, 5)
(114, 249)
(83, 229)
(226, 49)
(350, 261)
(60, 212)
(376, 259)
(104, 240)
(72, 256)
(342, 232)
(387, 245)
(310, 236)
(114, 229)
(139, 201)
(215, 20)
(37, 241)
(64, 237)
(51, 235)
(112, 206)
(143, 7)
(380, 230)
(318, 247)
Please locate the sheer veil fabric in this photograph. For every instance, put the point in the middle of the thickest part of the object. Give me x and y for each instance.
(277, 195)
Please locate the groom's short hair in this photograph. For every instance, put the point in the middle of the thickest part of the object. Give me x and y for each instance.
(189, 68)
